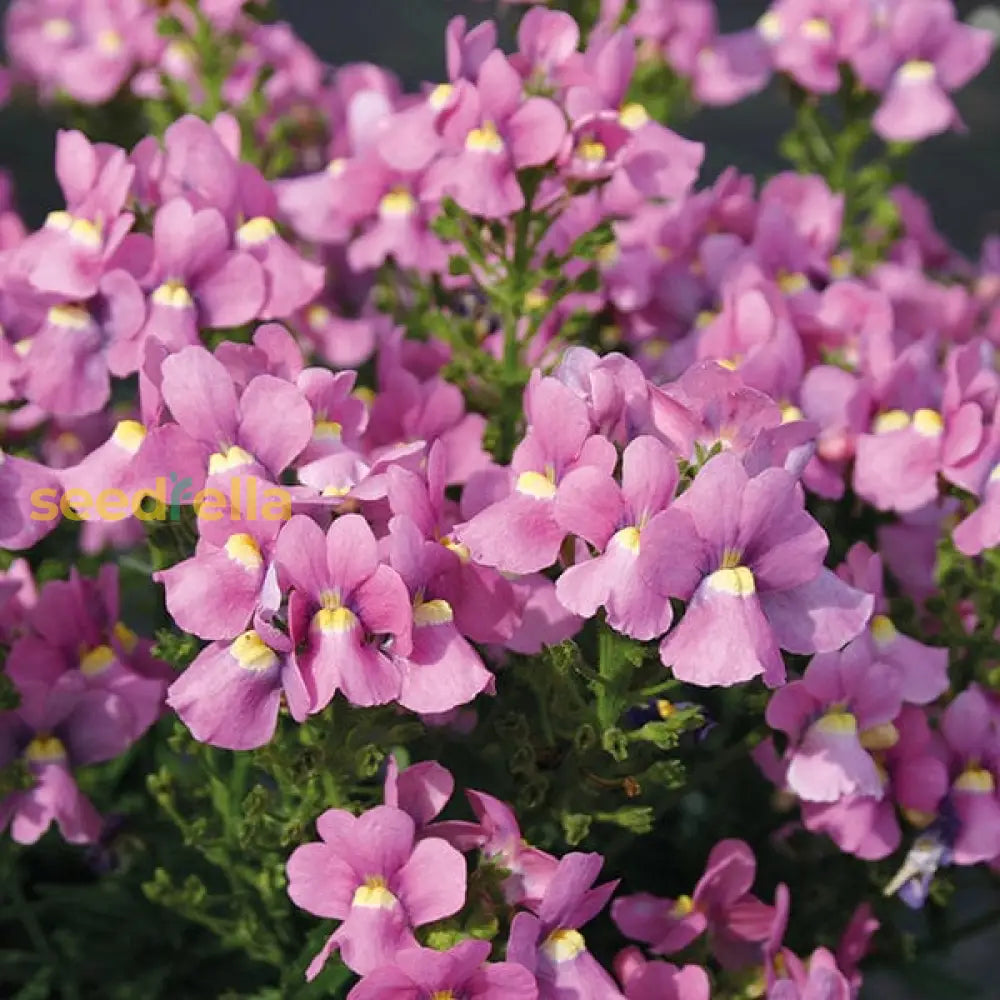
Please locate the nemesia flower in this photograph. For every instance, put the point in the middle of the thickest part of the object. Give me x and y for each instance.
(77, 642)
(441, 671)
(843, 704)
(342, 594)
(644, 980)
(231, 693)
(499, 134)
(614, 579)
(219, 433)
(561, 485)
(748, 558)
(499, 838)
(416, 973)
(970, 737)
(819, 979)
(811, 39)
(368, 872)
(914, 779)
(721, 903)
(548, 942)
(921, 55)
(922, 669)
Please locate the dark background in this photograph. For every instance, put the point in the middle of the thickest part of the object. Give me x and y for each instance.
(956, 172)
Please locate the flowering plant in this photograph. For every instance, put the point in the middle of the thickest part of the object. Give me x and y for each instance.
(452, 552)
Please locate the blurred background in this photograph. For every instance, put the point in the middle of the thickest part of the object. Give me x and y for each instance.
(958, 173)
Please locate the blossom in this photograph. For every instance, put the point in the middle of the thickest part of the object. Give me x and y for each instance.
(231, 693)
(843, 704)
(548, 942)
(922, 55)
(737, 921)
(613, 579)
(367, 872)
(749, 559)
(462, 971)
(341, 595)
(561, 484)
(495, 135)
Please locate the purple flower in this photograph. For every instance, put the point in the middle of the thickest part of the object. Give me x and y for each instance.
(843, 705)
(736, 920)
(369, 872)
(496, 133)
(614, 579)
(342, 595)
(749, 559)
(972, 751)
(920, 55)
(462, 971)
(231, 694)
(561, 485)
(548, 942)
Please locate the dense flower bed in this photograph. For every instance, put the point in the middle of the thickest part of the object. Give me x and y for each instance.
(448, 549)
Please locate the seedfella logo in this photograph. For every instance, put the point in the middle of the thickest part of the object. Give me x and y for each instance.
(245, 498)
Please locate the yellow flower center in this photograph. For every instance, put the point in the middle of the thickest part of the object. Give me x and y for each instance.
(57, 29)
(110, 42)
(769, 26)
(976, 780)
(397, 204)
(243, 549)
(917, 71)
(928, 423)
(628, 538)
(817, 30)
(374, 894)
(440, 96)
(838, 723)
(437, 612)
(882, 737)
(44, 748)
(173, 295)
(891, 420)
(541, 486)
(335, 620)
(683, 906)
(592, 151)
(883, 631)
(127, 639)
(633, 116)
(96, 661)
(564, 945)
(485, 139)
(252, 653)
(225, 461)
(792, 282)
(69, 317)
(86, 233)
(129, 435)
(737, 582)
(256, 231)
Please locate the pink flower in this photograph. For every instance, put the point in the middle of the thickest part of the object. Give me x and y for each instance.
(737, 921)
(341, 596)
(920, 55)
(370, 873)
(496, 134)
(749, 560)
(843, 704)
(561, 485)
(463, 971)
(548, 942)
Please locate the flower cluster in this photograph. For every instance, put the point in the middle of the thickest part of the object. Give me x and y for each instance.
(464, 427)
